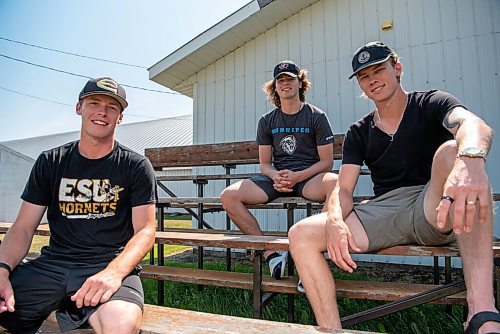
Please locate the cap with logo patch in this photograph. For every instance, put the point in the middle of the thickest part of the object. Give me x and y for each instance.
(287, 67)
(370, 54)
(105, 86)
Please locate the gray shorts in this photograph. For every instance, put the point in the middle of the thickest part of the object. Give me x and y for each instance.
(397, 218)
(42, 286)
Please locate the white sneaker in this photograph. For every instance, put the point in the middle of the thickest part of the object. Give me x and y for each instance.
(300, 287)
(277, 262)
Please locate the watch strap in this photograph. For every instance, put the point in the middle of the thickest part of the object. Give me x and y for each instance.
(6, 267)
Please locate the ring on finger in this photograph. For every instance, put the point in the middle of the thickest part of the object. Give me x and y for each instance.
(448, 198)
(471, 202)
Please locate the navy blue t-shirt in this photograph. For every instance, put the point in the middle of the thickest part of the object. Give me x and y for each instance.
(89, 201)
(294, 138)
(407, 160)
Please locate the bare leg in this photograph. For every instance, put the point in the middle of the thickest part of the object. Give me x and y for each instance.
(307, 245)
(233, 200)
(475, 246)
(320, 187)
(116, 316)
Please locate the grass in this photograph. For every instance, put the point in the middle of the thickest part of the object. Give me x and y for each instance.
(425, 319)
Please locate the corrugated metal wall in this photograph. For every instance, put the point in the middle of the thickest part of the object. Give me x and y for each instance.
(452, 45)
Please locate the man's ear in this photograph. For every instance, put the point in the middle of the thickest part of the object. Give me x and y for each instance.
(120, 119)
(79, 108)
(399, 68)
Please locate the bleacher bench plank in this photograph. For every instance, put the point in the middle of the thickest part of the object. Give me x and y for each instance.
(218, 154)
(279, 241)
(373, 290)
(166, 320)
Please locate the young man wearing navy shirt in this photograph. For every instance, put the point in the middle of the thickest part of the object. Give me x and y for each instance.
(295, 152)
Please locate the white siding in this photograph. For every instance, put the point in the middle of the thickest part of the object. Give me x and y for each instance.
(14, 172)
(452, 45)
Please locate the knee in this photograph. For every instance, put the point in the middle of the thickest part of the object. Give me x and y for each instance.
(117, 317)
(447, 151)
(226, 198)
(296, 237)
(330, 182)
(126, 325)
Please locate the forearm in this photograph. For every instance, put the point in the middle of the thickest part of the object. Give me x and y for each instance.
(321, 166)
(15, 245)
(474, 132)
(268, 169)
(340, 205)
(134, 252)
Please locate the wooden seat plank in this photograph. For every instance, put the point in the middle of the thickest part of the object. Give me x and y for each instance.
(166, 320)
(372, 290)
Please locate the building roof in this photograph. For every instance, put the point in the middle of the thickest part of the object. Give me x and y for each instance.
(176, 131)
(245, 24)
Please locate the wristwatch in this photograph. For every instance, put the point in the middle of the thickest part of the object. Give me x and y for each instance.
(472, 152)
(6, 267)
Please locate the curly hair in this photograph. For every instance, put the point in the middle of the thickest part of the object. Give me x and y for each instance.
(270, 89)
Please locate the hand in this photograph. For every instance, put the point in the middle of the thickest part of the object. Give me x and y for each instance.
(7, 300)
(285, 180)
(338, 241)
(281, 181)
(97, 288)
(468, 185)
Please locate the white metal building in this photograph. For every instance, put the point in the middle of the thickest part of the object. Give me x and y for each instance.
(453, 45)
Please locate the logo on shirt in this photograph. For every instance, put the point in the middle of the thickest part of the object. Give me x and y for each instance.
(288, 144)
(88, 198)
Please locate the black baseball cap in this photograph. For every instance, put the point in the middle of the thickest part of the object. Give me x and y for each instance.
(370, 54)
(105, 86)
(286, 67)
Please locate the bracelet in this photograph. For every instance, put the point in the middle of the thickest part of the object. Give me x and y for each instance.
(6, 267)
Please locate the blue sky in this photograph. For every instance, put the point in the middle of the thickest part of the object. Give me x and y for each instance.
(133, 32)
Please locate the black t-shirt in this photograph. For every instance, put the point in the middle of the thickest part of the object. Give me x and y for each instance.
(89, 201)
(294, 138)
(407, 160)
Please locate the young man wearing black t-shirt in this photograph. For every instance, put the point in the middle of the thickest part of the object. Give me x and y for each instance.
(295, 152)
(426, 153)
(100, 200)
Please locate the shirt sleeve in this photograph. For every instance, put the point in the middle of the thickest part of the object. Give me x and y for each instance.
(437, 104)
(352, 152)
(264, 136)
(37, 188)
(324, 134)
(143, 190)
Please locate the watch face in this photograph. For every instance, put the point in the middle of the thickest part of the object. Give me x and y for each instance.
(473, 150)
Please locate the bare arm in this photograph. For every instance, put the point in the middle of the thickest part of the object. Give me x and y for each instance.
(340, 205)
(324, 164)
(266, 161)
(100, 287)
(15, 246)
(469, 130)
(468, 181)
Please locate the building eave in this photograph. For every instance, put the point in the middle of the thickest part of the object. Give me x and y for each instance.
(177, 70)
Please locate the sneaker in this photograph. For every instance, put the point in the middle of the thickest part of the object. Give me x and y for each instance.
(300, 287)
(277, 262)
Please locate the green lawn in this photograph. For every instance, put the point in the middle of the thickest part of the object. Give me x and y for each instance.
(426, 319)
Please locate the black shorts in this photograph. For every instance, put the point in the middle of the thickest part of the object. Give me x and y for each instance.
(44, 285)
(266, 184)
